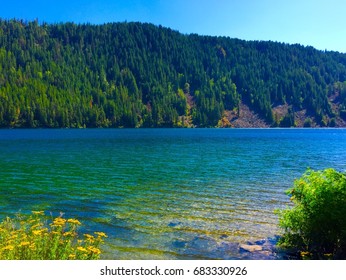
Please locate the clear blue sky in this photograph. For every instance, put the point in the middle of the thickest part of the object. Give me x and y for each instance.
(318, 23)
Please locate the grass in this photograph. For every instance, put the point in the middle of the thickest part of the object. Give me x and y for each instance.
(33, 237)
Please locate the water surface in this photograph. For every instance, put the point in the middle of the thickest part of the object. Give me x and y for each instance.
(164, 193)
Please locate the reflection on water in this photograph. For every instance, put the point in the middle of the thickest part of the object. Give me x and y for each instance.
(165, 193)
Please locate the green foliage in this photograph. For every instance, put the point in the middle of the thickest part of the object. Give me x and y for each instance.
(33, 238)
(288, 120)
(133, 75)
(307, 122)
(316, 225)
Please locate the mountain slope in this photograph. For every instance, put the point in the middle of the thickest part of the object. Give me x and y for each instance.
(141, 75)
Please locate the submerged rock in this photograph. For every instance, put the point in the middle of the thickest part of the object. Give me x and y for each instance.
(250, 248)
(263, 249)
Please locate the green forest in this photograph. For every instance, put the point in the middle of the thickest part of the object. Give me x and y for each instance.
(142, 75)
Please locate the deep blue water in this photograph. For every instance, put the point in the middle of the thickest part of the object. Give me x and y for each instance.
(164, 193)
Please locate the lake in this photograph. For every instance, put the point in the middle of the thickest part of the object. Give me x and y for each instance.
(164, 193)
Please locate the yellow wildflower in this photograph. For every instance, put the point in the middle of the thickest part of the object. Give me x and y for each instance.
(305, 255)
(8, 247)
(38, 212)
(94, 250)
(13, 236)
(37, 232)
(74, 221)
(37, 225)
(82, 249)
(89, 238)
(101, 234)
(59, 222)
(24, 243)
(72, 256)
(68, 233)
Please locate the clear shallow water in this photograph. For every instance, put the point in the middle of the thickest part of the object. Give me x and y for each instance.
(164, 193)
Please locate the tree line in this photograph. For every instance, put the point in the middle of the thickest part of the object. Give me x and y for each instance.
(142, 75)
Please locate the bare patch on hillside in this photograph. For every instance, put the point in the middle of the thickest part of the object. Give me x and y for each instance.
(245, 119)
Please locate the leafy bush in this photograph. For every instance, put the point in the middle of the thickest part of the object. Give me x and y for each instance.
(34, 238)
(316, 226)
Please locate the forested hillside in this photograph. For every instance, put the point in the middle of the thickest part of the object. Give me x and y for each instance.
(141, 75)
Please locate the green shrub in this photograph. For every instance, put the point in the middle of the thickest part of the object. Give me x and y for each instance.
(34, 238)
(316, 226)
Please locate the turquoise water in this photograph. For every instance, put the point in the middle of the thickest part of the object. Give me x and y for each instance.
(164, 193)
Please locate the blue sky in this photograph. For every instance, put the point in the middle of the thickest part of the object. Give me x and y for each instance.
(317, 23)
